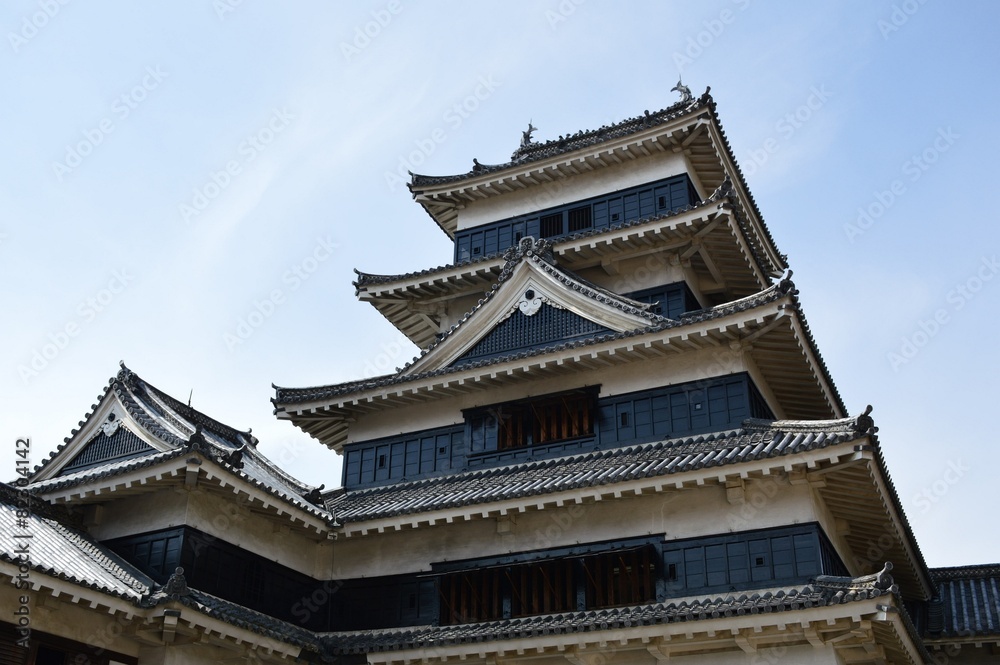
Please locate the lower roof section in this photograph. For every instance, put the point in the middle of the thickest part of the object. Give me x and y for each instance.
(757, 440)
(966, 606)
(847, 612)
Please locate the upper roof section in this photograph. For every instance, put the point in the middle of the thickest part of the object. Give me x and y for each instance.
(687, 135)
(136, 427)
(528, 285)
(707, 243)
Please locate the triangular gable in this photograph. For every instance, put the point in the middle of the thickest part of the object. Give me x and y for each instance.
(548, 324)
(109, 417)
(112, 443)
(529, 285)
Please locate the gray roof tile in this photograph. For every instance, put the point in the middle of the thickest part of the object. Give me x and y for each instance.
(61, 551)
(158, 414)
(823, 592)
(755, 440)
(967, 602)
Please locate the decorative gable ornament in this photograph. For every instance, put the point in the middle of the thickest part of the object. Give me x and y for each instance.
(530, 303)
(112, 424)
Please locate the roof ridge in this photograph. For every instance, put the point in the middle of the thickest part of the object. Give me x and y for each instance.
(532, 151)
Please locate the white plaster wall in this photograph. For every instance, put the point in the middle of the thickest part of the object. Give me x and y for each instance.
(677, 514)
(670, 370)
(68, 620)
(227, 518)
(129, 515)
(231, 520)
(566, 190)
(637, 273)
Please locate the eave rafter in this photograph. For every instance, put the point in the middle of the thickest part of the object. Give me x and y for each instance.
(768, 333)
(763, 637)
(707, 232)
(183, 473)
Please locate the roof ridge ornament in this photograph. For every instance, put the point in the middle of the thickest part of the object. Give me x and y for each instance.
(315, 495)
(235, 457)
(526, 139)
(126, 376)
(528, 247)
(526, 142)
(865, 424)
(176, 586)
(786, 285)
(197, 441)
(685, 91)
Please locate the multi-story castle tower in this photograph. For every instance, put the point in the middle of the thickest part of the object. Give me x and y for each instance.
(618, 444)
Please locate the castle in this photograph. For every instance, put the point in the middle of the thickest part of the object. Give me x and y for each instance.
(618, 444)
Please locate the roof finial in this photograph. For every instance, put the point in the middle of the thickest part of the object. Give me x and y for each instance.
(176, 585)
(526, 135)
(683, 89)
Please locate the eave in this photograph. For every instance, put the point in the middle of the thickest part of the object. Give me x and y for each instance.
(768, 326)
(144, 624)
(850, 490)
(861, 632)
(183, 469)
(693, 129)
(707, 238)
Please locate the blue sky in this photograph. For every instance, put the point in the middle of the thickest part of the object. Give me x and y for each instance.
(171, 169)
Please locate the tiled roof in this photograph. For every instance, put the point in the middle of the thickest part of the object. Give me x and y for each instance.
(235, 615)
(967, 603)
(831, 591)
(776, 292)
(534, 152)
(539, 252)
(59, 551)
(161, 416)
(587, 138)
(755, 440)
(62, 552)
(367, 279)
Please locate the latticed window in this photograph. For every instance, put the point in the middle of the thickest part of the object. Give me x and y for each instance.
(571, 583)
(620, 578)
(544, 421)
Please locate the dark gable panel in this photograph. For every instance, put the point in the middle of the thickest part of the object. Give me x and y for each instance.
(122, 444)
(518, 332)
